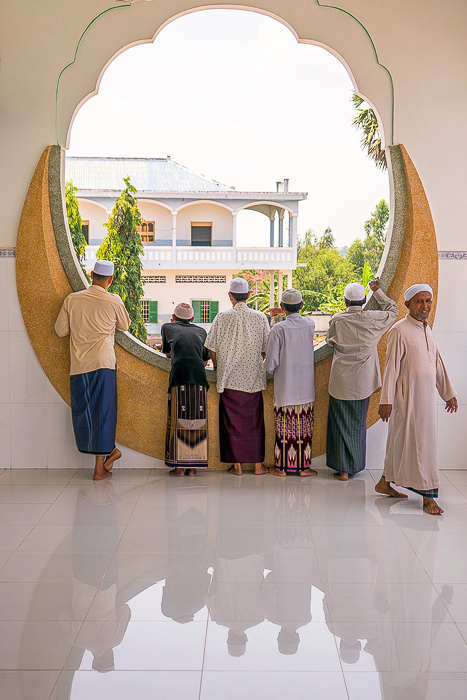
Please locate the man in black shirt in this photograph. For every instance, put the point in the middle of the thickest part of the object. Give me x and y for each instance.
(186, 446)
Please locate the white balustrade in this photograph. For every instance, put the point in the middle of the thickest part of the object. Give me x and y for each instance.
(187, 257)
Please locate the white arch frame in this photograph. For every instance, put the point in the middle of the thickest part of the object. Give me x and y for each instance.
(144, 200)
(204, 201)
(272, 204)
(331, 28)
(87, 200)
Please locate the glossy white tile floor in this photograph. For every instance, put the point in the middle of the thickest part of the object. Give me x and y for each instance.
(223, 588)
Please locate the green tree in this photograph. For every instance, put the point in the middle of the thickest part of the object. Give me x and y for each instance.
(326, 273)
(122, 244)
(367, 123)
(370, 250)
(75, 224)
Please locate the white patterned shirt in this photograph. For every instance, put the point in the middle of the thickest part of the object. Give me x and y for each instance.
(238, 337)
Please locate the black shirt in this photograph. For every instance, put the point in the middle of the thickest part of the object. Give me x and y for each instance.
(185, 342)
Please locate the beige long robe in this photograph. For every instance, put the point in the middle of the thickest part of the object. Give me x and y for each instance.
(414, 371)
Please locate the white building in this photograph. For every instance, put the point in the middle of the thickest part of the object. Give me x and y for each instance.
(190, 242)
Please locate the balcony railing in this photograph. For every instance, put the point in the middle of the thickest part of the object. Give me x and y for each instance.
(187, 257)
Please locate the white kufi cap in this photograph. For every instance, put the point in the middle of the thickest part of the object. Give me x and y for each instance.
(238, 286)
(291, 296)
(354, 292)
(104, 268)
(184, 311)
(416, 289)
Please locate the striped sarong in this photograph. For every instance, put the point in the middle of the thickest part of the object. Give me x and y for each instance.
(346, 435)
(431, 493)
(241, 427)
(186, 443)
(294, 433)
(94, 410)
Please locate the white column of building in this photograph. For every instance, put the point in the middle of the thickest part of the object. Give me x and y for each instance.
(271, 289)
(271, 230)
(289, 279)
(281, 229)
(290, 229)
(174, 236)
(234, 232)
(280, 286)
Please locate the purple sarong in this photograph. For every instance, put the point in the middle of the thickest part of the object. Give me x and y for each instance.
(241, 426)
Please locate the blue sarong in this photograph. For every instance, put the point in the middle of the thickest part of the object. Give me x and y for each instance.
(94, 410)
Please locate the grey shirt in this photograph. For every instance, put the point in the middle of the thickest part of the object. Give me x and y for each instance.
(354, 335)
(290, 357)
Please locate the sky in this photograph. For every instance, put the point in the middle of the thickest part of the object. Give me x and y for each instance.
(231, 94)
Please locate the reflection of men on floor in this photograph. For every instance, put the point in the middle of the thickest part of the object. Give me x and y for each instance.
(287, 588)
(290, 357)
(348, 556)
(403, 648)
(90, 318)
(187, 581)
(414, 373)
(237, 341)
(187, 416)
(355, 375)
(95, 540)
(236, 599)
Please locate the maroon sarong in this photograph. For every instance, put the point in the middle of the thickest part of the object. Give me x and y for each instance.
(241, 426)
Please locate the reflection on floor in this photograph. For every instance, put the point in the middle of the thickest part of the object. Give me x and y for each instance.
(220, 587)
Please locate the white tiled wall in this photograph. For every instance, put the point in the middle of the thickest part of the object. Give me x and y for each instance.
(35, 423)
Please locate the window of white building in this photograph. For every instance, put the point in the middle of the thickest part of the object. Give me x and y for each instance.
(85, 230)
(149, 310)
(201, 233)
(146, 231)
(205, 310)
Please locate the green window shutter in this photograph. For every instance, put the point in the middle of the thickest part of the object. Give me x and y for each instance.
(213, 310)
(152, 312)
(197, 309)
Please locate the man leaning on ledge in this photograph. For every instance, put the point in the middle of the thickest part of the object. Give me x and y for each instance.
(90, 318)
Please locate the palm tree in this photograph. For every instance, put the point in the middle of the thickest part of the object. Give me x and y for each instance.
(367, 123)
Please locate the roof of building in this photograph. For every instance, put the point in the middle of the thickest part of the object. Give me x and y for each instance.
(147, 174)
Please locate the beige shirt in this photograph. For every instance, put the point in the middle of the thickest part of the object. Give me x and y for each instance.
(238, 337)
(414, 374)
(90, 318)
(354, 336)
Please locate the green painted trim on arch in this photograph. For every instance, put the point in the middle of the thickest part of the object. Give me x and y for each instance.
(109, 9)
(346, 12)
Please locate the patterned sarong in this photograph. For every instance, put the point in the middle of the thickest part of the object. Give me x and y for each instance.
(94, 410)
(241, 426)
(186, 443)
(346, 435)
(294, 433)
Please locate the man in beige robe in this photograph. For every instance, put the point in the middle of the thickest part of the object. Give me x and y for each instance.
(414, 371)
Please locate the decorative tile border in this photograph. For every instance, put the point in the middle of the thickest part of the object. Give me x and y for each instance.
(452, 255)
(7, 252)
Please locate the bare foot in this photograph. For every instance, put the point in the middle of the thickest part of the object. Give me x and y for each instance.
(384, 487)
(341, 476)
(259, 469)
(190, 472)
(178, 471)
(277, 472)
(113, 456)
(99, 476)
(236, 470)
(430, 506)
(308, 472)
